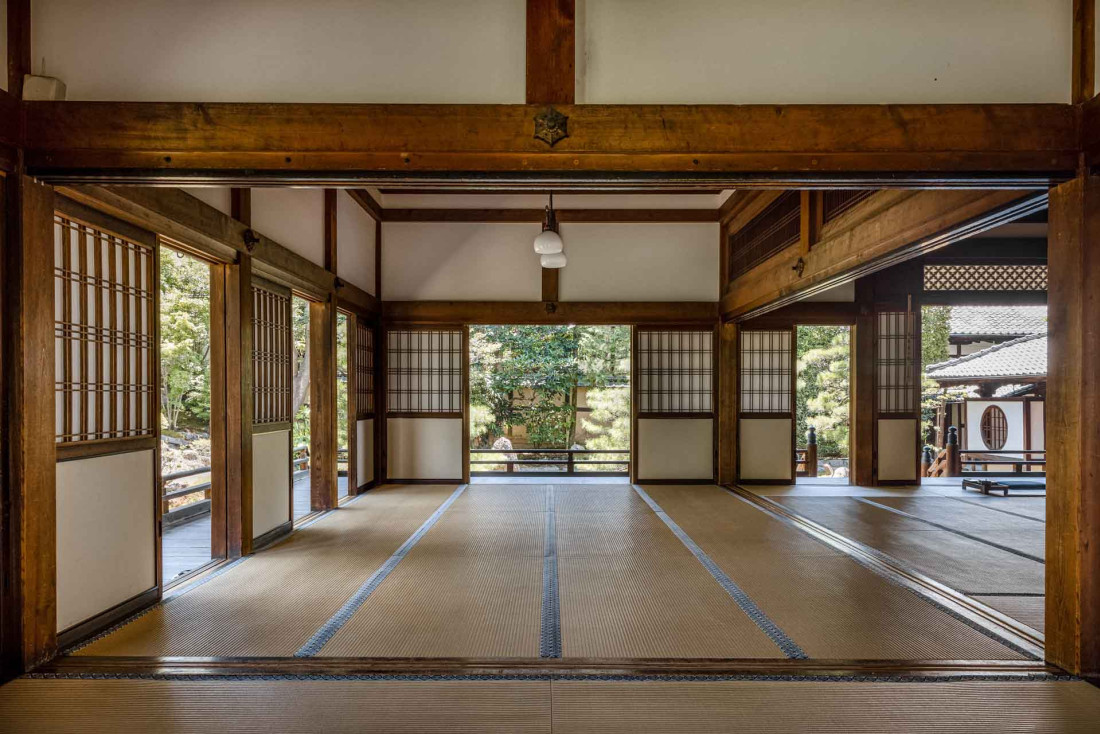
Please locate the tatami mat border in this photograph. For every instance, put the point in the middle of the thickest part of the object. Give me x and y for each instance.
(550, 628)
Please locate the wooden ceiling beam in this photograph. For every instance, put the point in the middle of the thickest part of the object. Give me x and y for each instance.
(551, 51)
(369, 203)
(1024, 145)
(617, 216)
(563, 312)
(887, 228)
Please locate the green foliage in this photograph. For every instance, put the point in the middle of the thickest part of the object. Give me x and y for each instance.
(184, 341)
(822, 397)
(935, 333)
(528, 375)
(299, 334)
(342, 381)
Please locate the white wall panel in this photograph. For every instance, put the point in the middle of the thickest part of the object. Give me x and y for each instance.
(823, 51)
(680, 448)
(284, 50)
(897, 449)
(1038, 425)
(364, 451)
(270, 481)
(640, 262)
(295, 218)
(105, 543)
(1014, 417)
(765, 449)
(424, 448)
(428, 261)
(216, 196)
(354, 243)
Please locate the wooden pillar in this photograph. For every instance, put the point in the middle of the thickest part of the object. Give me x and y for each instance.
(1072, 429)
(19, 45)
(727, 403)
(551, 51)
(863, 387)
(238, 380)
(1084, 51)
(28, 485)
(322, 402)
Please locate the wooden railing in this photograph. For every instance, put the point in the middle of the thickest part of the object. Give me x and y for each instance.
(191, 509)
(513, 462)
(955, 462)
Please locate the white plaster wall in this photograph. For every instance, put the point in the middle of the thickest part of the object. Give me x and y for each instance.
(457, 261)
(844, 293)
(1038, 425)
(355, 243)
(270, 481)
(897, 449)
(216, 196)
(364, 451)
(823, 51)
(1014, 416)
(283, 50)
(424, 448)
(677, 448)
(640, 262)
(295, 218)
(765, 448)
(105, 539)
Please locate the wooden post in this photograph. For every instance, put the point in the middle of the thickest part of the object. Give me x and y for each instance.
(727, 403)
(28, 488)
(1072, 431)
(926, 462)
(863, 387)
(238, 392)
(324, 490)
(811, 452)
(954, 458)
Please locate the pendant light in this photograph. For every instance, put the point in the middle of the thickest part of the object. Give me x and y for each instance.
(548, 242)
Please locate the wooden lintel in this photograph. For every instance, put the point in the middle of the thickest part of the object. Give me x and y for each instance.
(563, 312)
(609, 216)
(983, 145)
(887, 228)
(1090, 131)
(368, 202)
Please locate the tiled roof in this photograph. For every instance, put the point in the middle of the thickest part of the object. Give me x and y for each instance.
(998, 320)
(1023, 357)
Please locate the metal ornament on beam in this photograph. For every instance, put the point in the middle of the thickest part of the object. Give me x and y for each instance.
(551, 126)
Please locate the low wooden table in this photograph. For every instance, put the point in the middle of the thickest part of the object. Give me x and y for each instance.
(985, 486)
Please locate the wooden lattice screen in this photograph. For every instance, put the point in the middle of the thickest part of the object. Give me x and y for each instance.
(105, 278)
(985, 277)
(766, 366)
(776, 227)
(895, 362)
(271, 355)
(675, 371)
(835, 202)
(364, 366)
(424, 372)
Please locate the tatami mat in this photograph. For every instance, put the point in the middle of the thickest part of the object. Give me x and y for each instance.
(825, 601)
(630, 588)
(273, 706)
(472, 586)
(270, 604)
(843, 708)
(1031, 610)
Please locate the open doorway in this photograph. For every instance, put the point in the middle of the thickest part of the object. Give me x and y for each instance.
(823, 404)
(343, 424)
(185, 403)
(550, 401)
(300, 407)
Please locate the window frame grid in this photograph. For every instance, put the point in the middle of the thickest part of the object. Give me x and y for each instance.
(896, 383)
(406, 372)
(662, 364)
(766, 371)
(364, 368)
(272, 343)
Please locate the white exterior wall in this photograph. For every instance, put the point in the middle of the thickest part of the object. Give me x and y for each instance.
(1038, 425)
(105, 540)
(823, 51)
(1014, 416)
(270, 481)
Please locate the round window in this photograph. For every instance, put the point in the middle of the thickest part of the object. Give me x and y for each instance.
(994, 428)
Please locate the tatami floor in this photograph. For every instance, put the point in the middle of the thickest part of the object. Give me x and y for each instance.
(563, 581)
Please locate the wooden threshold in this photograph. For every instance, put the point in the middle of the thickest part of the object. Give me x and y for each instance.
(320, 666)
(994, 622)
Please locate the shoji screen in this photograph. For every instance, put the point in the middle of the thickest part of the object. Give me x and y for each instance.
(364, 401)
(106, 408)
(272, 427)
(896, 396)
(674, 392)
(766, 406)
(425, 403)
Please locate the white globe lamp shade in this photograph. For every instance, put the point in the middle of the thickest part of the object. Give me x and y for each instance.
(553, 260)
(548, 242)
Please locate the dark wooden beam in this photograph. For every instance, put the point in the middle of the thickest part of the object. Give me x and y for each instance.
(1090, 131)
(862, 408)
(370, 206)
(885, 229)
(616, 216)
(473, 189)
(324, 491)
(332, 249)
(550, 279)
(237, 290)
(984, 298)
(28, 618)
(1072, 431)
(551, 51)
(1084, 50)
(564, 312)
(19, 45)
(727, 402)
(814, 145)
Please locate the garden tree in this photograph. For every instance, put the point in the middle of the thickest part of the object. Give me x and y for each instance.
(184, 340)
(935, 333)
(822, 396)
(342, 323)
(608, 423)
(528, 375)
(299, 369)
